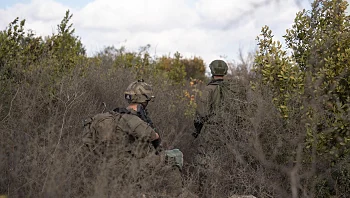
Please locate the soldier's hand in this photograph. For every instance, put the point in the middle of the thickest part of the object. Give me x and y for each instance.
(156, 142)
(198, 126)
(154, 136)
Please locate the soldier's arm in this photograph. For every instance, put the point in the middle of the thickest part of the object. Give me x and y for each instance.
(201, 111)
(146, 133)
(202, 104)
(142, 130)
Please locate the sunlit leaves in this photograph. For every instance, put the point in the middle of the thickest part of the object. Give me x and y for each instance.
(319, 61)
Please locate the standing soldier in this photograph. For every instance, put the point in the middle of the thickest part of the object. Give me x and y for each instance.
(206, 126)
(210, 99)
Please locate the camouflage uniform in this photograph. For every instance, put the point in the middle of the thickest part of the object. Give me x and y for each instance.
(130, 161)
(157, 176)
(123, 157)
(206, 106)
(206, 144)
(166, 178)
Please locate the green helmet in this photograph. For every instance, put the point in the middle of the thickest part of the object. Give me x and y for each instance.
(139, 92)
(218, 68)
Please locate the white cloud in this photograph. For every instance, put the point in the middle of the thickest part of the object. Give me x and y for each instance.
(42, 16)
(220, 13)
(206, 28)
(46, 10)
(133, 15)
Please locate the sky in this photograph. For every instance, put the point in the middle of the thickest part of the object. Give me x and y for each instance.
(210, 29)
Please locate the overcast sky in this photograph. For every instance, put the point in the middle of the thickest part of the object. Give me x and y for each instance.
(205, 28)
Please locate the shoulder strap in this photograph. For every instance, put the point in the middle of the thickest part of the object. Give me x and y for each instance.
(216, 82)
(141, 113)
(122, 110)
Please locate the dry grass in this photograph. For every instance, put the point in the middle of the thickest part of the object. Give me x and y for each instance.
(253, 151)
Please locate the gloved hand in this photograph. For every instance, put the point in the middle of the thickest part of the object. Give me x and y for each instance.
(198, 126)
(195, 134)
(156, 142)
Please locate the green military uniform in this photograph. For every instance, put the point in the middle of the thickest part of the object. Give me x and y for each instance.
(123, 156)
(131, 161)
(207, 103)
(163, 178)
(166, 177)
(207, 126)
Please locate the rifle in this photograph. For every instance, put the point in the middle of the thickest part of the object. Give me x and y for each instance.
(142, 113)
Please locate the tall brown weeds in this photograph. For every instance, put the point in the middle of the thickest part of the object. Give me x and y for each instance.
(255, 150)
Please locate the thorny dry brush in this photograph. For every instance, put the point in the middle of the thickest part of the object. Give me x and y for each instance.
(259, 153)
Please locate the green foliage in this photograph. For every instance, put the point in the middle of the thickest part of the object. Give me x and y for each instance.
(175, 69)
(179, 69)
(65, 46)
(126, 59)
(140, 62)
(18, 50)
(23, 55)
(194, 67)
(275, 69)
(320, 41)
(317, 70)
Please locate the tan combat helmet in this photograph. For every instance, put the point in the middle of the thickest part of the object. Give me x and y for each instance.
(139, 92)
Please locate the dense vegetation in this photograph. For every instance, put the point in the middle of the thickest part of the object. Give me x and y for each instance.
(284, 133)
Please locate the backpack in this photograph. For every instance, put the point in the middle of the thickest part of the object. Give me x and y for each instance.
(218, 95)
(103, 129)
(100, 129)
